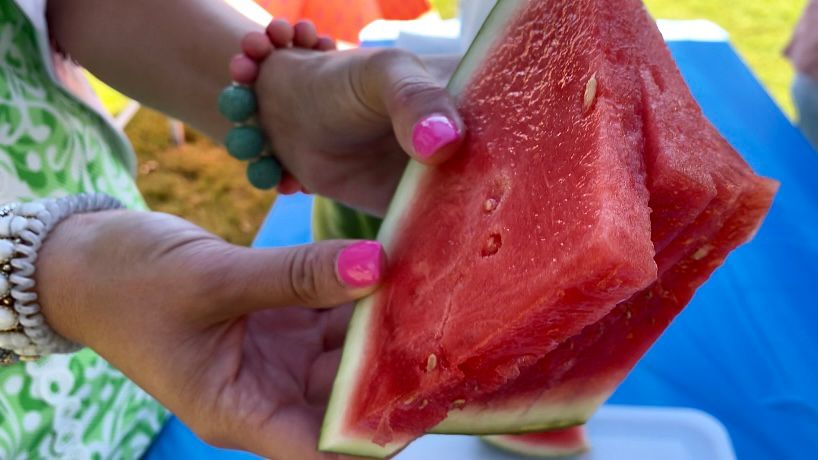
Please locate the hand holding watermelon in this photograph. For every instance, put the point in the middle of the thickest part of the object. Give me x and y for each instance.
(223, 336)
(342, 122)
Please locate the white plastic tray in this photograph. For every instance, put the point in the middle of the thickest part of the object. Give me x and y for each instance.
(615, 432)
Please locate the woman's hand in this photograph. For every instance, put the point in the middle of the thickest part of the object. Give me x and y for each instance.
(342, 122)
(215, 332)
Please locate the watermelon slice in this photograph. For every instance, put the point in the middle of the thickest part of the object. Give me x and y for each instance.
(556, 443)
(578, 121)
(568, 182)
(734, 208)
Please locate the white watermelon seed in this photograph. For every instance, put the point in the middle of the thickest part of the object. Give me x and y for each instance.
(431, 362)
(702, 253)
(490, 205)
(590, 93)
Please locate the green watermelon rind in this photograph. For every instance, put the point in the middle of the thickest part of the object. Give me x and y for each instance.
(508, 444)
(516, 417)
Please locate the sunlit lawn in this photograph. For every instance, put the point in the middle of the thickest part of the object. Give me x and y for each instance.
(760, 29)
(199, 181)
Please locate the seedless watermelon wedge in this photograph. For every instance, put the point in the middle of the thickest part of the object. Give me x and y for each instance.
(556, 443)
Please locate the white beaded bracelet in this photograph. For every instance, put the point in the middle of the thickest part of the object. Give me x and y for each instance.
(24, 333)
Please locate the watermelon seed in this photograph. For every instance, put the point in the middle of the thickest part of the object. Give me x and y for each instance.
(590, 93)
(628, 314)
(424, 404)
(702, 253)
(459, 403)
(431, 362)
(490, 205)
(493, 245)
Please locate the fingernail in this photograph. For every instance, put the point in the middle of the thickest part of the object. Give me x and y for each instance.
(360, 264)
(433, 133)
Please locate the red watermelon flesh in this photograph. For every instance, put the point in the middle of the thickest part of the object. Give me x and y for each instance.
(554, 236)
(555, 443)
(595, 361)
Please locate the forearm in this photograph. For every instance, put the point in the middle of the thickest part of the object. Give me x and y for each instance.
(168, 54)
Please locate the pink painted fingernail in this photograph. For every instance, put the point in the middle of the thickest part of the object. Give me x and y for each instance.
(360, 265)
(433, 133)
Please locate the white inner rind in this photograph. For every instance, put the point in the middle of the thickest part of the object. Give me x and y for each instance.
(517, 417)
(521, 416)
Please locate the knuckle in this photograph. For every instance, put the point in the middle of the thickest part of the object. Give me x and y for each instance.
(414, 83)
(415, 87)
(304, 280)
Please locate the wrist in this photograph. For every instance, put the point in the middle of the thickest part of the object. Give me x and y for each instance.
(60, 282)
(24, 230)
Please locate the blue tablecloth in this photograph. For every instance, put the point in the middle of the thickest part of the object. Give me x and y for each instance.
(746, 349)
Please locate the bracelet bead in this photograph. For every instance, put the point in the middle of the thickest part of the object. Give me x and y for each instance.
(237, 103)
(264, 173)
(8, 320)
(5, 227)
(256, 46)
(243, 70)
(13, 340)
(6, 251)
(245, 142)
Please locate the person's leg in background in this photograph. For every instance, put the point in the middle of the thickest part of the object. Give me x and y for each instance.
(805, 95)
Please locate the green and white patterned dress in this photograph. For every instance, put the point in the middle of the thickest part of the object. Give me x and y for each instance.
(51, 144)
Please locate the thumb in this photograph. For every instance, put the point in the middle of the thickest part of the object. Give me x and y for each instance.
(318, 275)
(424, 116)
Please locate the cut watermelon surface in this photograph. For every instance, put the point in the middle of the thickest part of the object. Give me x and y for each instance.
(530, 273)
(556, 443)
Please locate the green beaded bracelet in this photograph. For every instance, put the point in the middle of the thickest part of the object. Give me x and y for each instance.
(238, 103)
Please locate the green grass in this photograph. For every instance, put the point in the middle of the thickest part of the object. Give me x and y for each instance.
(198, 181)
(760, 29)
